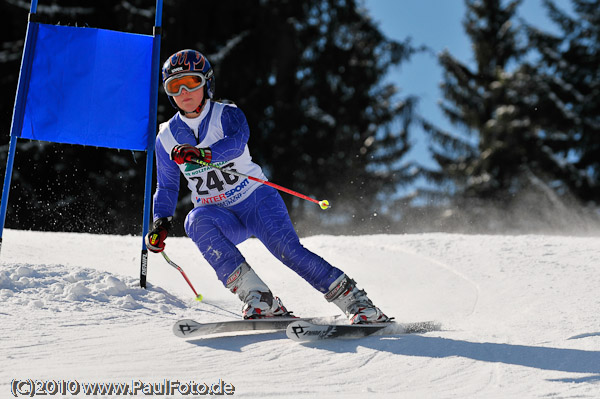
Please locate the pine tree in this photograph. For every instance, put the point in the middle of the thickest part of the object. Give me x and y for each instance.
(569, 67)
(502, 169)
(478, 161)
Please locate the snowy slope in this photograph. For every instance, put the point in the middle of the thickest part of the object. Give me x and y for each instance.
(520, 317)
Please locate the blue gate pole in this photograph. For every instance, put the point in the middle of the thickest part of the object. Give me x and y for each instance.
(18, 111)
(151, 138)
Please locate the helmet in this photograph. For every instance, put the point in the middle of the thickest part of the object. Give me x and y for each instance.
(186, 61)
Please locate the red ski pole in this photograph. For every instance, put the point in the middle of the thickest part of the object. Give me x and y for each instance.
(324, 204)
(170, 262)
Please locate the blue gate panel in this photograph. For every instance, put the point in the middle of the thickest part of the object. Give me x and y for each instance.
(89, 86)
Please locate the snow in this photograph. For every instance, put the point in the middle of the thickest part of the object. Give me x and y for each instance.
(520, 317)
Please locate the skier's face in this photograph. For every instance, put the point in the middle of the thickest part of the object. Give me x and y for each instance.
(189, 101)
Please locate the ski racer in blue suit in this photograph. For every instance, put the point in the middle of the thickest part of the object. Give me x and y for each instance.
(228, 209)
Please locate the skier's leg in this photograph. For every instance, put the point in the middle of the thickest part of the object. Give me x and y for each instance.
(272, 225)
(267, 218)
(216, 231)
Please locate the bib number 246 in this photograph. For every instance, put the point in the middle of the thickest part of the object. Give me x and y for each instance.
(215, 180)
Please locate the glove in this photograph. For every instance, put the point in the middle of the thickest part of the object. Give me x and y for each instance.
(183, 153)
(155, 240)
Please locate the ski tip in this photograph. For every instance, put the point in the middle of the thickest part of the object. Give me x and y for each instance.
(298, 331)
(182, 328)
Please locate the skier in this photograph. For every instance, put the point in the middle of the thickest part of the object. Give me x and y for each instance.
(229, 209)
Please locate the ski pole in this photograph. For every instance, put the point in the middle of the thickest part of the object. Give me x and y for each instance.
(170, 262)
(324, 204)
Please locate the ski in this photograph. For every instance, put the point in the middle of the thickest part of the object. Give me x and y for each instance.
(188, 328)
(307, 331)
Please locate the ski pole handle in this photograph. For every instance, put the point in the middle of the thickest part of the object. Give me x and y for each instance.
(324, 204)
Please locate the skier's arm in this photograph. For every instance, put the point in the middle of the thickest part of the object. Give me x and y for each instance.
(167, 186)
(236, 132)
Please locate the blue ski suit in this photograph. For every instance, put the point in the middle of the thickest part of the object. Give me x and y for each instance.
(229, 209)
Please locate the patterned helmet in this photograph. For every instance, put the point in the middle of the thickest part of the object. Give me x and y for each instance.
(189, 61)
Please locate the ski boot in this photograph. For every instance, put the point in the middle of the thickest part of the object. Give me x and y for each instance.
(258, 300)
(354, 302)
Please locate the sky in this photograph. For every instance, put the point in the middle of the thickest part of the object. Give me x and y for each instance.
(438, 25)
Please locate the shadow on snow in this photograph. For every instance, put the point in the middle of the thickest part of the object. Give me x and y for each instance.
(544, 358)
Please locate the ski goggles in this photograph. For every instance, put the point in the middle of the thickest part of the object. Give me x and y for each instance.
(191, 81)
